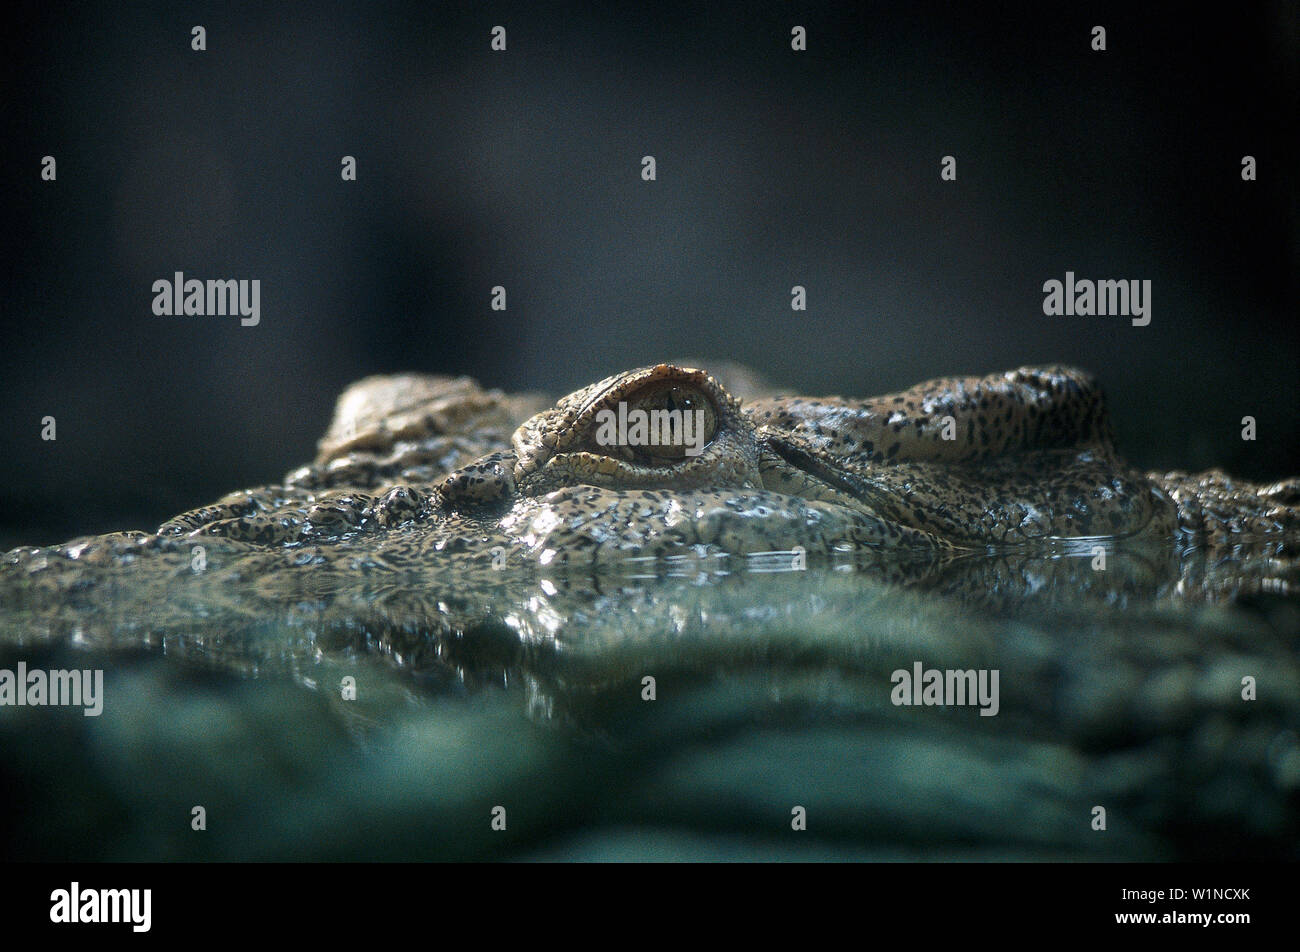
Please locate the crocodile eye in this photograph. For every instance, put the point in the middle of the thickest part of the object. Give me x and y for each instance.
(663, 422)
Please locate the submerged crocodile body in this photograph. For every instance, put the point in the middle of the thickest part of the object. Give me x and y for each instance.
(422, 471)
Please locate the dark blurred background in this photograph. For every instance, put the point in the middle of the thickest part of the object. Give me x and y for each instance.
(475, 168)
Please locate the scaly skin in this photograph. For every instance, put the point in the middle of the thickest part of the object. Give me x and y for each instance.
(427, 553)
(417, 472)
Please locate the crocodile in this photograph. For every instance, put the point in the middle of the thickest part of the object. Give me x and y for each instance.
(773, 574)
(420, 471)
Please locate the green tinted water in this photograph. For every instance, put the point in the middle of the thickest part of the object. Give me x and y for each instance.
(772, 691)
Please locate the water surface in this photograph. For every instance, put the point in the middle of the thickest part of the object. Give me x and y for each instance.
(773, 689)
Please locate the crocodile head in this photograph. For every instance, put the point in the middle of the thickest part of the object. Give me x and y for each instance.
(665, 462)
(663, 458)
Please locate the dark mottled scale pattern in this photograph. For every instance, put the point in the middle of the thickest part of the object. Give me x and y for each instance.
(417, 469)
